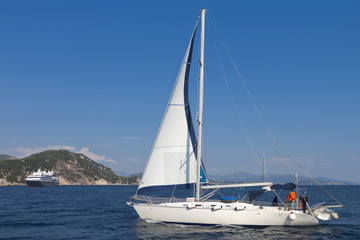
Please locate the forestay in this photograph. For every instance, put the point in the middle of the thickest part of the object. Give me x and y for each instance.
(172, 162)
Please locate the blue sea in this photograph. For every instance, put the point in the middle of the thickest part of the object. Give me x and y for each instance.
(101, 212)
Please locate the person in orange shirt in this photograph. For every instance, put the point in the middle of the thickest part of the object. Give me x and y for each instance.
(291, 199)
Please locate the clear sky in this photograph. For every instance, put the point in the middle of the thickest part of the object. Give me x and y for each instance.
(95, 77)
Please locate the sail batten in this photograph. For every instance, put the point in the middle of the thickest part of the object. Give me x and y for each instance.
(173, 160)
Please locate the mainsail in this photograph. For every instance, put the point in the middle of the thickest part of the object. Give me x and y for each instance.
(172, 162)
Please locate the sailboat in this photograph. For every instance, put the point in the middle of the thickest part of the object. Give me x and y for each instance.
(175, 162)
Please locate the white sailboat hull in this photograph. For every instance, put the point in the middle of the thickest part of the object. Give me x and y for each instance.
(217, 213)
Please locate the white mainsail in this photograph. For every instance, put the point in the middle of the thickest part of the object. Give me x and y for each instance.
(172, 162)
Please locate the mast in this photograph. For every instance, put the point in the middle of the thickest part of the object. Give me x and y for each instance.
(297, 189)
(264, 173)
(201, 97)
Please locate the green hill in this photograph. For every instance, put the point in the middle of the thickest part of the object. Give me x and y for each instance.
(72, 169)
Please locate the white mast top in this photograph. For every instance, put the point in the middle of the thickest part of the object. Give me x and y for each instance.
(201, 97)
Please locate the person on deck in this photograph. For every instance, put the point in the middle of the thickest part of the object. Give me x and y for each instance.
(291, 199)
(303, 200)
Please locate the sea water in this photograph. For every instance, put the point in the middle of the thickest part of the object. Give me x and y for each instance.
(101, 212)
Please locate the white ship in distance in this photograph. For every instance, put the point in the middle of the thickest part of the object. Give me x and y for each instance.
(42, 179)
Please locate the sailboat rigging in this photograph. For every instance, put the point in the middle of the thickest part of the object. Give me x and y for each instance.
(175, 162)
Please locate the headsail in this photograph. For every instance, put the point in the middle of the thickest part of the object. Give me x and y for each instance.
(172, 162)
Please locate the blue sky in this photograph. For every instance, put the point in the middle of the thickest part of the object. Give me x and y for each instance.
(95, 77)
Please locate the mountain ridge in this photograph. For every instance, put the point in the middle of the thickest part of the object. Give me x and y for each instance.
(276, 178)
(7, 157)
(244, 177)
